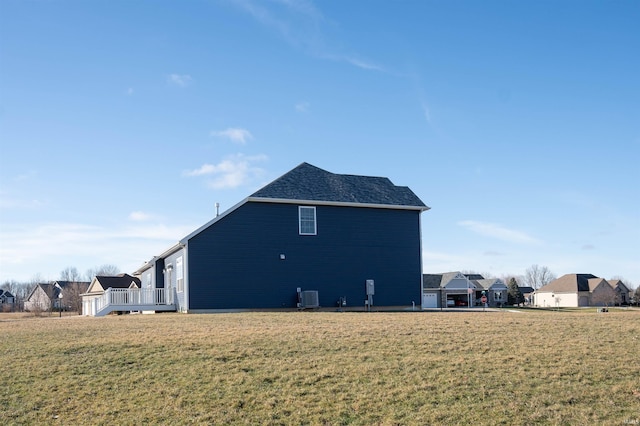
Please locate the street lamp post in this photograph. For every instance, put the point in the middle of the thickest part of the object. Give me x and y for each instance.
(60, 303)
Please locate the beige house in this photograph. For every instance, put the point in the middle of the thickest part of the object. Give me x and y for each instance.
(622, 291)
(55, 295)
(575, 290)
(40, 298)
(100, 284)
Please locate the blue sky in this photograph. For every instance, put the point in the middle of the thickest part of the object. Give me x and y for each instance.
(122, 123)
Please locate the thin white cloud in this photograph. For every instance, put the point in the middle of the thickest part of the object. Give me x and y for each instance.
(302, 106)
(181, 80)
(47, 247)
(365, 65)
(426, 112)
(498, 232)
(7, 203)
(138, 216)
(231, 172)
(234, 134)
(438, 262)
(205, 169)
(29, 175)
(301, 24)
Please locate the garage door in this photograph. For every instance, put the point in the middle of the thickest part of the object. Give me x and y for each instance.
(430, 300)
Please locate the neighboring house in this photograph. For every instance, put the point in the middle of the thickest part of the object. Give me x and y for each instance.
(574, 290)
(7, 301)
(72, 294)
(43, 297)
(310, 238)
(494, 289)
(453, 289)
(102, 283)
(449, 289)
(527, 293)
(55, 295)
(622, 292)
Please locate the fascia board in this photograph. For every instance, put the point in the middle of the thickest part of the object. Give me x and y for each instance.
(336, 203)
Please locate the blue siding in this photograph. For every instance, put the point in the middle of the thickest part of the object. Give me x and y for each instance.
(146, 279)
(235, 263)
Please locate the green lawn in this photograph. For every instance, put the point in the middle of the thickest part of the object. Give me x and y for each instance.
(509, 367)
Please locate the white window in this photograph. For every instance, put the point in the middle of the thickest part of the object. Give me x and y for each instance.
(497, 296)
(307, 220)
(179, 275)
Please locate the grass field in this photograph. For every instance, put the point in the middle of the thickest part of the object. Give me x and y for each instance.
(508, 367)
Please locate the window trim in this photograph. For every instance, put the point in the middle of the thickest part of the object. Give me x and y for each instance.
(179, 275)
(315, 220)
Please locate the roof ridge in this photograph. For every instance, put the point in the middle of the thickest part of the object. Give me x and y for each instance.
(311, 183)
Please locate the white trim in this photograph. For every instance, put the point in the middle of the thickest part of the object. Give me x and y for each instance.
(184, 240)
(336, 203)
(315, 220)
(180, 274)
(421, 264)
(151, 263)
(185, 306)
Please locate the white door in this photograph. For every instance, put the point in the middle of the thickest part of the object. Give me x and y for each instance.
(429, 300)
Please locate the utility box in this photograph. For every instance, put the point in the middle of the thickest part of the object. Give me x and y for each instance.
(309, 299)
(370, 287)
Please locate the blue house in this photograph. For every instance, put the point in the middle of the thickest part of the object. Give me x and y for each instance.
(309, 238)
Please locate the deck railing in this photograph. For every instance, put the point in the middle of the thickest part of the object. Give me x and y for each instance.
(134, 297)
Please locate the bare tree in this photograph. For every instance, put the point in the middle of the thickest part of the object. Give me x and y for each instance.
(11, 286)
(106, 269)
(71, 294)
(19, 290)
(72, 290)
(538, 276)
(507, 278)
(70, 273)
(36, 279)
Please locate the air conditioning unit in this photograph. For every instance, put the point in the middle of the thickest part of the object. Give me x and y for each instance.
(309, 299)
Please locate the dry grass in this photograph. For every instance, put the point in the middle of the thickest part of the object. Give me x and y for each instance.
(520, 368)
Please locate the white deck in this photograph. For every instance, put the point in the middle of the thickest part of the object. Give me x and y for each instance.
(132, 299)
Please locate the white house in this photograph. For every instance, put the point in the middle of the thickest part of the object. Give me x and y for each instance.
(574, 290)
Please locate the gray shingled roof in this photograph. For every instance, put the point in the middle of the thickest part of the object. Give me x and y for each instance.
(307, 182)
(5, 293)
(474, 277)
(431, 280)
(486, 283)
(440, 280)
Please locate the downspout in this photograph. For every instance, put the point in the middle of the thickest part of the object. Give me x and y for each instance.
(421, 266)
(185, 273)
